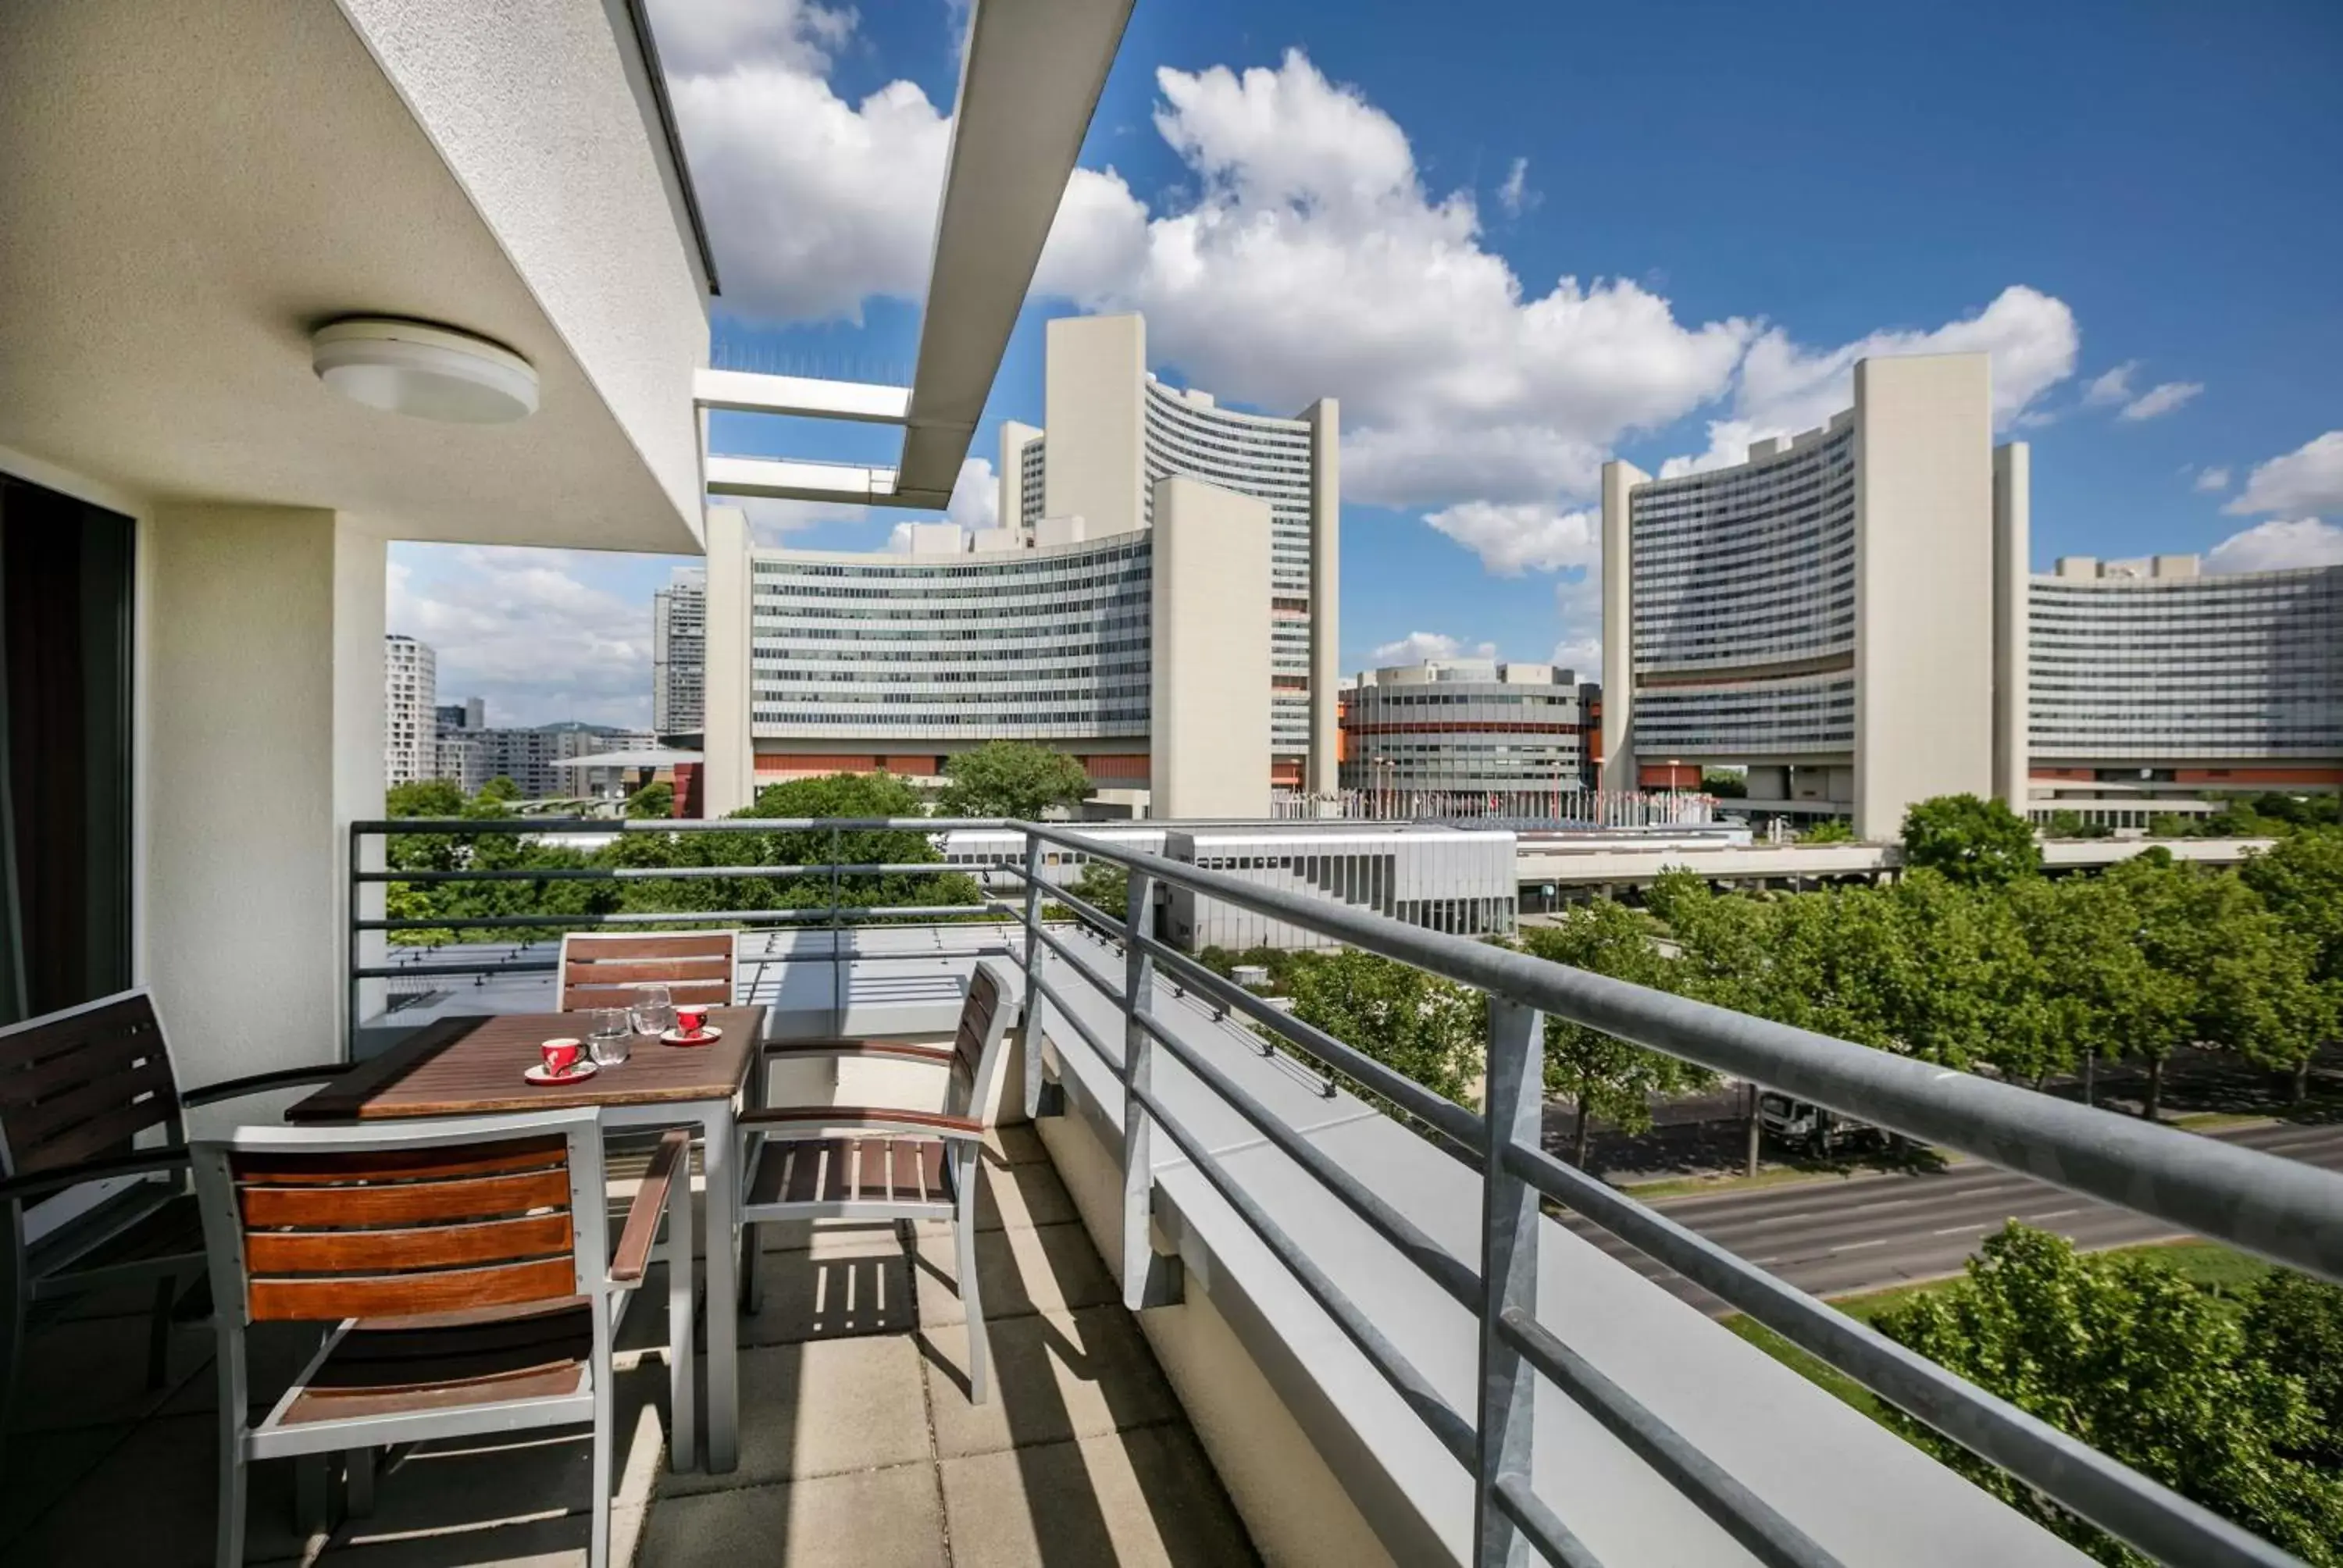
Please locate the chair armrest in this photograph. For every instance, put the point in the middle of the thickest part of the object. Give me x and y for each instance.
(137, 1163)
(877, 1050)
(811, 1120)
(255, 1083)
(633, 1254)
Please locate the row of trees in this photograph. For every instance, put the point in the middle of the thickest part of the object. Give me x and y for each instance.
(2239, 1410)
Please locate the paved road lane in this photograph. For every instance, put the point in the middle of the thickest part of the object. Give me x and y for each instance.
(1871, 1232)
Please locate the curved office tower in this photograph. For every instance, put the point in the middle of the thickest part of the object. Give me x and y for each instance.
(2154, 686)
(1822, 614)
(1114, 432)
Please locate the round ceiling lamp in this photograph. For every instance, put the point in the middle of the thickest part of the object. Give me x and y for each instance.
(430, 372)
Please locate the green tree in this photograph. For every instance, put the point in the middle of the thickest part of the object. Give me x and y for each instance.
(2130, 1358)
(1602, 1075)
(1012, 778)
(2070, 825)
(1725, 783)
(2295, 1324)
(423, 797)
(1432, 1029)
(1104, 886)
(2301, 882)
(1980, 842)
(656, 799)
(1827, 830)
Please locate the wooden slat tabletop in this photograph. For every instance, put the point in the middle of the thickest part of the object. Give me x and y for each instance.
(472, 1067)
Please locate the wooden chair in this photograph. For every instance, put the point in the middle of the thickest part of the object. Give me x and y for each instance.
(79, 1089)
(601, 968)
(465, 1271)
(864, 1162)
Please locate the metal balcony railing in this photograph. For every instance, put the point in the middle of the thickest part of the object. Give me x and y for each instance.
(2288, 1212)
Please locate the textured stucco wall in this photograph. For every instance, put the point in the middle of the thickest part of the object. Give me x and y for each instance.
(265, 715)
(531, 108)
(1924, 585)
(1208, 681)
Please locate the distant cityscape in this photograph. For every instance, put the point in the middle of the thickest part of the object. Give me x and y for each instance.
(429, 739)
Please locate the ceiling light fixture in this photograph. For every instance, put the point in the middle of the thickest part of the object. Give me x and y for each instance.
(430, 372)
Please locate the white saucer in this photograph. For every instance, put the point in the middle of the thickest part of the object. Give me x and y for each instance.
(579, 1071)
(674, 1036)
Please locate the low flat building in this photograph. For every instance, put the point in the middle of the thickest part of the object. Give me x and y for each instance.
(2154, 686)
(1455, 880)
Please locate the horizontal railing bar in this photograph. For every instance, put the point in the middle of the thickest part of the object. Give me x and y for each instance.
(1450, 1273)
(1739, 1512)
(506, 826)
(1544, 1528)
(2281, 1209)
(662, 873)
(1091, 914)
(1454, 1433)
(862, 912)
(1041, 983)
(382, 971)
(1455, 1125)
(2110, 1495)
(1107, 985)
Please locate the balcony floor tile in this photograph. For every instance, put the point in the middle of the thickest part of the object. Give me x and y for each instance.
(1146, 1496)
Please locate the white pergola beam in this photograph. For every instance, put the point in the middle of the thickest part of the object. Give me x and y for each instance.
(783, 479)
(805, 396)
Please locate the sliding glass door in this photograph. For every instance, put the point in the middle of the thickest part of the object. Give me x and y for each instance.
(66, 587)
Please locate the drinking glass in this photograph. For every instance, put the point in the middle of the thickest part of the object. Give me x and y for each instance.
(654, 1009)
(612, 1037)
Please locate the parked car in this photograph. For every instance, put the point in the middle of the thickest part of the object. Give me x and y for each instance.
(1815, 1130)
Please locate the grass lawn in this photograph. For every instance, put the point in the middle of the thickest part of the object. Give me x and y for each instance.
(2216, 1270)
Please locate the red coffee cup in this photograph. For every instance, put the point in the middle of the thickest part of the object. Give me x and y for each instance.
(690, 1018)
(560, 1056)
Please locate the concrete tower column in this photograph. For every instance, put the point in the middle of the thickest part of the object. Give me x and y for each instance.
(1619, 769)
(2012, 677)
(1323, 775)
(729, 775)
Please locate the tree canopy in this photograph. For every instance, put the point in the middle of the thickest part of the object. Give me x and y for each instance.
(1977, 841)
(1012, 778)
(1432, 1029)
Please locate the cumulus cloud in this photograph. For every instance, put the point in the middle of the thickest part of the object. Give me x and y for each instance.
(771, 521)
(976, 495)
(2308, 480)
(1785, 387)
(1582, 656)
(1418, 646)
(2160, 399)
(1527, 534)
(524, 629)
(2210, 479)
(2268, 546)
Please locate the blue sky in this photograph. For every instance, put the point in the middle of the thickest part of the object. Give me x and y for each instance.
(2132, 206)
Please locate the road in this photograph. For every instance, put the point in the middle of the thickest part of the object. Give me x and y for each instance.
(1866, 1233)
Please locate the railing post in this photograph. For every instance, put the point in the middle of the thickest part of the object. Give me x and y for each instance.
(837, 946)
(1148, 1278)
(1513, 1102)
(1029, 1028)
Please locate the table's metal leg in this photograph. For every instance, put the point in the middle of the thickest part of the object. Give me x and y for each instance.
(723, 1308)
(682, 1419)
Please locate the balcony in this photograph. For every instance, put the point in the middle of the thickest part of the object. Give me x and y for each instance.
(1239, 1306)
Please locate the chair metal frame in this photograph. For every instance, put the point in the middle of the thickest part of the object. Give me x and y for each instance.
(601, 1277)
(153, 1178)
(972, 1064)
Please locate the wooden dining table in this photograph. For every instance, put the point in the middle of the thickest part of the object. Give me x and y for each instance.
(473, 1066)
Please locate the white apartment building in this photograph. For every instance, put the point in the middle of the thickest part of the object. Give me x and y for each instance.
(410, 745)
(2152, 687)
(1113, 431)
(679, 652)
(1826, 613)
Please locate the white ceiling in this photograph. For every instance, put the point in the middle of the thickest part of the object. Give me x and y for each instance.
(190, 191)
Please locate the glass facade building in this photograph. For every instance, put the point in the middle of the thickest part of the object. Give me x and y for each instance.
(1466, 729)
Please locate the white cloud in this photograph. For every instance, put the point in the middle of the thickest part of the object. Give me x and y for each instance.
(2110, 387)
(2267, 547)
(1528, 533)
(522, 628)
(1515, 196)
(1418, 646)
(1582, 656)
(2308, 480)
(2161, 398)
(770, 521)
(2209, 479)
(976, 495)
(1785, 387)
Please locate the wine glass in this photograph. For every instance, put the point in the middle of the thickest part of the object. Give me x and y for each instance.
(654, 1009)
(612, 1037)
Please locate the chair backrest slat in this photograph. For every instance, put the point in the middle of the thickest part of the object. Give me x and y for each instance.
(598, 969)
(339, 1229)
(81, 1083)
(976, 1045)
